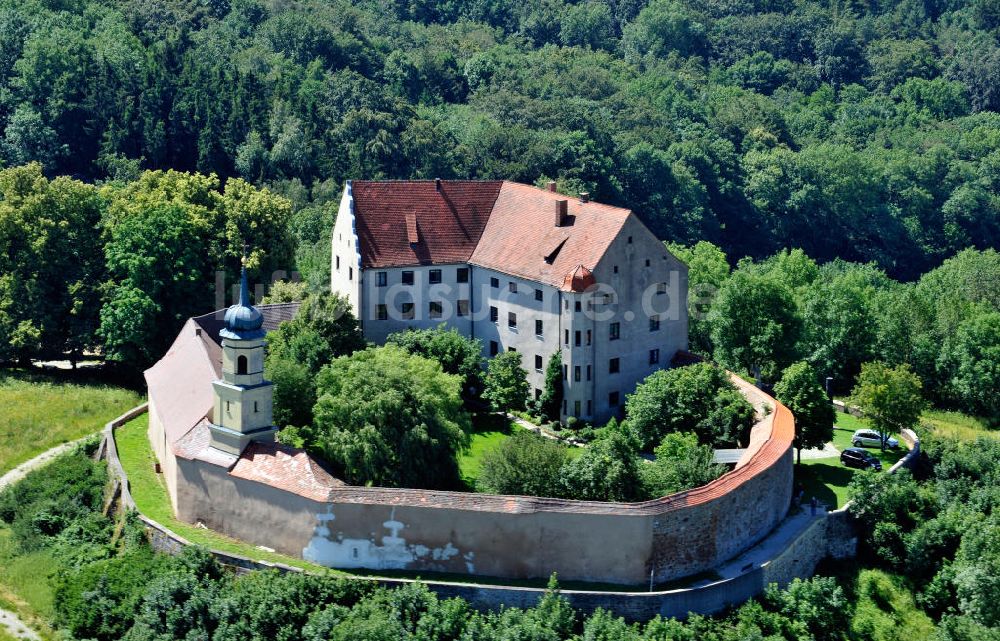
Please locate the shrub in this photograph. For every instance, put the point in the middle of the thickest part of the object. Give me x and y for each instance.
(525, 464)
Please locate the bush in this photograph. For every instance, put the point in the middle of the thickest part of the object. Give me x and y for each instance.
(525, 464)
(698, 398)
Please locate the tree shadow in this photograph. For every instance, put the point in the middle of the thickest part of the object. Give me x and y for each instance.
(819, 480)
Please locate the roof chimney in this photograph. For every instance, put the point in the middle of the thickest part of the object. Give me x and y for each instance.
(551, 186)
(437, 184)
(584, 196)
(561, 205)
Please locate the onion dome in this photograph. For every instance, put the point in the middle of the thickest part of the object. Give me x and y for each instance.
(579, 279)
(243, 320)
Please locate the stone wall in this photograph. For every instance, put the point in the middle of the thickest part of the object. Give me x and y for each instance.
(512, 537)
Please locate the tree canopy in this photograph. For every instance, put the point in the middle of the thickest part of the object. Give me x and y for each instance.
(389, 418)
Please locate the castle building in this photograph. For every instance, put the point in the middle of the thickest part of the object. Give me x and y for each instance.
(520, 269)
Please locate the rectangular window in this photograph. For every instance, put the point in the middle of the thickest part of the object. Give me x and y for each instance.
(512, 286)
(588, 372)
(576, 338)
(382, 312)
(494, 348)
(494, 314)
(577, 306)
(613, 399)
(381, 279)
(435, 276)
(616, 269)
(576, 408)
(350, 273)
(337, 259)
(589, 336)
(565, 370)
(647, 262)
(538, 294)
(462, 275)
(538, 362)
(407, 278)
(407, 311)
(614, 331)
(495, 283)
(538, 393)
(567, 336)
(661, 288)
(538, 327)
(512, 349)
(435, 309)
(462, 309)
(654, 324)
(564, 405)
(654, 356)
(576, 373)
(614, 366)
(512, 320)
(590, 407)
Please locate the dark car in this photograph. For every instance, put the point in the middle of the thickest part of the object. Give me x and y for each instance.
(859, 458)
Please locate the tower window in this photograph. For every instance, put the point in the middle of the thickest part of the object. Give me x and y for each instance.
(255, 407)
(435, 276)
(462, 275)
(407, 278)
(241, 365)
(381, 279)
(614, 366)
(614, 331)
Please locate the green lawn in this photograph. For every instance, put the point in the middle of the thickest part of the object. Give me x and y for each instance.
(488, 431)
(150, 494)
(38, 412)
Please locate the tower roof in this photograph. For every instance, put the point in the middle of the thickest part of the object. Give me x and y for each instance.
(243, 321)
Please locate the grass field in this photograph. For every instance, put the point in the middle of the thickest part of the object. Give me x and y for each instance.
(958, 425)
(150, 494)
(38, 412)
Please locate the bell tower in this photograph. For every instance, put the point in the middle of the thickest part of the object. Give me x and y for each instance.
(242, 408)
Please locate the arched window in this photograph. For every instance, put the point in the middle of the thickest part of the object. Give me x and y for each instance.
(241, 365)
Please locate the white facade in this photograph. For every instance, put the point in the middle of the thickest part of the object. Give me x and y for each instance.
(607, 348)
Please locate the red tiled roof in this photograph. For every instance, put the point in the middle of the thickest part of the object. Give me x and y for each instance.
(505, 226)
(521, 238)
(446, 224)
(285, 468)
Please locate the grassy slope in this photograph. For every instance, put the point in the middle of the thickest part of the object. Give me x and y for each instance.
(38, 412)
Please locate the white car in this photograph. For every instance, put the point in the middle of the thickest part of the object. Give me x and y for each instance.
(871, 438)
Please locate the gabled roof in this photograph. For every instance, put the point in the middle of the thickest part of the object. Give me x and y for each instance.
(505, 226)
(522, 239)
(445, 219)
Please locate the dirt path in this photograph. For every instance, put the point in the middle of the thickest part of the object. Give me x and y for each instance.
(45, 457)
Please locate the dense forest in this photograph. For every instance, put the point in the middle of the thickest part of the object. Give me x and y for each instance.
(861, 130)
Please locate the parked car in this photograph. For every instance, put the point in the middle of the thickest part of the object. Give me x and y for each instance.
(859, 458)
(871, 438)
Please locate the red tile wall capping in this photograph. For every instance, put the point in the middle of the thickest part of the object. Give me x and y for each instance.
(770, 448)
